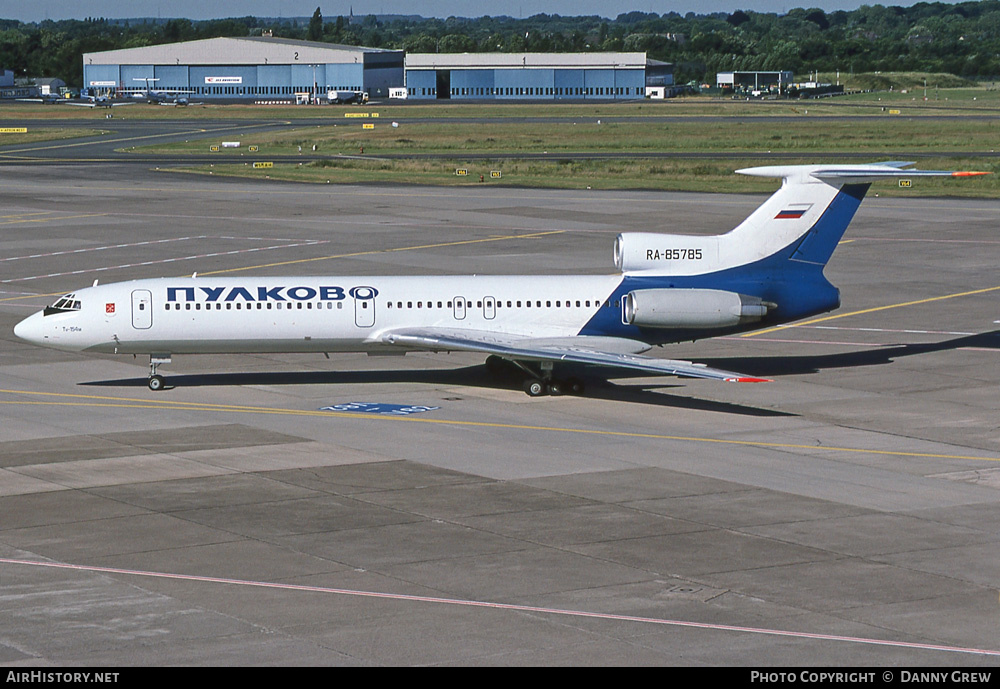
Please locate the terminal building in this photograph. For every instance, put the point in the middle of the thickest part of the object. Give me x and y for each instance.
(248, 69)
(532, 76)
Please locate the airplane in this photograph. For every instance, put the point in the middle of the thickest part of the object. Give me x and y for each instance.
(47, 99)
(176, 97)
(94, 102)
(177, 101)
(670, 288)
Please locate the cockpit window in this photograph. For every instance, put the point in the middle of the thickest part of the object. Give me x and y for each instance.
(63, 304)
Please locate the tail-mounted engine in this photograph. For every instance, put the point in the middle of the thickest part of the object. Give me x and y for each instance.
(675, 253)
(692, 308)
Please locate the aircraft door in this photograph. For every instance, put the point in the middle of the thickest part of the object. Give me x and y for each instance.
(364, 306)
(142, 309)
(459, 308)
(489, 308)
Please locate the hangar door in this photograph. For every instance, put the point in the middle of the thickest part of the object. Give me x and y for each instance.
(443, 84)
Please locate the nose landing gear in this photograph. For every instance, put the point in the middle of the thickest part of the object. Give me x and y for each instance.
(156, 381)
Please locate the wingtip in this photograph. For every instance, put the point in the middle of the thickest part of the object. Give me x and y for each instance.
(748, 379)
(969, 173)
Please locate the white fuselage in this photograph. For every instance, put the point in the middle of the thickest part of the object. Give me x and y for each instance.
(314, 314)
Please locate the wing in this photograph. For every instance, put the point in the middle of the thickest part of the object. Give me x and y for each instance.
(613, 352)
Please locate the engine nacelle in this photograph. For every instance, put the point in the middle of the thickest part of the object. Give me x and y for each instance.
(692, 308)
(637, 251)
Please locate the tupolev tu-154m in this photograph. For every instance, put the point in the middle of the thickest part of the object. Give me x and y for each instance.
(670, 288)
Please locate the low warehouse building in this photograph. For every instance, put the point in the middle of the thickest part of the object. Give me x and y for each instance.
(531, 76)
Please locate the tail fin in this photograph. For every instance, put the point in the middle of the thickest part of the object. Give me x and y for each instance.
(810, 213)
(803, 221)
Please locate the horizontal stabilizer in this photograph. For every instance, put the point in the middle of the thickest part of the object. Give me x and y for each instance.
(854, 174)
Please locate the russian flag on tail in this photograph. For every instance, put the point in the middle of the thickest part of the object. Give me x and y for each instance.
(793, 211)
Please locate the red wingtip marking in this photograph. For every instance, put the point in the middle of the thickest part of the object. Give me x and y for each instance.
(748, 379)
(969, 174)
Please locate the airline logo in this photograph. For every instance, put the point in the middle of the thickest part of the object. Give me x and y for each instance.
(793, 211)
(298, 293)
(109, 308)
(223, 80)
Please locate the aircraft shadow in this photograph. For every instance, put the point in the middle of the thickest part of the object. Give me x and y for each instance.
(470, 376)
(597, 388)
(776, 366)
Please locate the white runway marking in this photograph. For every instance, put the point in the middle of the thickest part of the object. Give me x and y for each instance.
(167, 260)
(509, 606)
(888, 330)
(101, 248)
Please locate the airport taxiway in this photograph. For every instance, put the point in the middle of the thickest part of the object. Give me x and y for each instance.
(847, 513)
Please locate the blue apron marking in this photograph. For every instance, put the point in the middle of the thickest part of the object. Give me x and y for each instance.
(379, 408)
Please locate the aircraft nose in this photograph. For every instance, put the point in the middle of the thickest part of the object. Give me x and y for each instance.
(30, 329)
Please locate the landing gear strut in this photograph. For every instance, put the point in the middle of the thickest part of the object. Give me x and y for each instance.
(541, 382)
(156, 382)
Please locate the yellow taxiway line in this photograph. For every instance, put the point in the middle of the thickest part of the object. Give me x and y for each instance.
(872, 310)
(78, 400)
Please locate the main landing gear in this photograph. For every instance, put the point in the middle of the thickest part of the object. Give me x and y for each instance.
(156, 381)
(536, 387)
(540, 380)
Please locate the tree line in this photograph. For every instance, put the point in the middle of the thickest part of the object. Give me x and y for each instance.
(962, 39)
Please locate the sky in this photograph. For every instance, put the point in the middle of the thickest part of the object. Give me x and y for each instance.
(38, 10)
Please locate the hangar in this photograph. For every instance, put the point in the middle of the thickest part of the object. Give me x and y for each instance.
(541, 76)
(249, 69)
(754, 82)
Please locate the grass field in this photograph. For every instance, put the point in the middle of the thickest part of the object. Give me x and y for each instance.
(666, 175)
(935, 143)
(486, 138)
(880, 135)
(47, 134)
